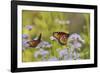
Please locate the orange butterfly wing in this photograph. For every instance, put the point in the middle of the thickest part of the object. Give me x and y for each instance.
(63, 40)
(61, 37)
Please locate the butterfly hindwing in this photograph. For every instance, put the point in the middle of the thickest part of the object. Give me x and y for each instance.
(63, 40)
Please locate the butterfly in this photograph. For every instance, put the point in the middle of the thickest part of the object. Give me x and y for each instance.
(34, 43)
(62, 37)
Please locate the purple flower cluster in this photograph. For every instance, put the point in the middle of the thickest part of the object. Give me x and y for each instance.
(75, 42)
(25, 44)
(29, 27)
(44, 44)
(53, 59)
(41, 52)
(75, 39)
(25, 36)
(25, 40)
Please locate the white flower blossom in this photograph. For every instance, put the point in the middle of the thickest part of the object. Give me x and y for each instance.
(62, 21)
(68, 22)
(52, 38)
(36, 54)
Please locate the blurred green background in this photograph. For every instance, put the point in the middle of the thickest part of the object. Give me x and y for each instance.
(49, 22)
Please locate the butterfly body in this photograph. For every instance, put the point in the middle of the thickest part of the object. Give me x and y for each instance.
(62, 37)
(34, 43)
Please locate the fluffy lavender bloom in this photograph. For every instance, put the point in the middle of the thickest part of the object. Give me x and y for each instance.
(75, 40)
(37, 53)
(63, 52)
(76, 55)
(77, 37)
(41, 52)
(44, 53)
(73, 54)
(77, 45)
(25, 44)
(74, 36)
(40, 45)
(25, 36)
(53, 59)
(49, 45)
(44, 44)
(29, 27)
